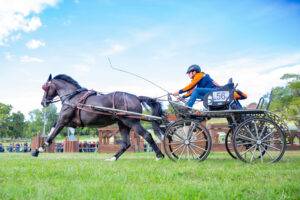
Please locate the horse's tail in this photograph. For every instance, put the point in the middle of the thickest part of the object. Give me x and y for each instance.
(156, 108)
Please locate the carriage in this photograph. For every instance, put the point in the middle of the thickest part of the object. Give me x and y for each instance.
(254, 135)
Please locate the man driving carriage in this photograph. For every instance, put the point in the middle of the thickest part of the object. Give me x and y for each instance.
(201, 85)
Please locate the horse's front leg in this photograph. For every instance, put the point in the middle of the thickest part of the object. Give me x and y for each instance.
(53, 133)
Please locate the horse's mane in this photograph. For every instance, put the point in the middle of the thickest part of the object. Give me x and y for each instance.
(67, 79)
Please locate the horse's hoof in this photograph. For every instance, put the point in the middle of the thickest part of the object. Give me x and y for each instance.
(35, 153)
(160, 158)
(112, 159)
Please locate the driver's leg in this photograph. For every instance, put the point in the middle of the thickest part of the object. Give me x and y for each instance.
(198, 93)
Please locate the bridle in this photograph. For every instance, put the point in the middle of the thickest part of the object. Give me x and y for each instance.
(61, 98)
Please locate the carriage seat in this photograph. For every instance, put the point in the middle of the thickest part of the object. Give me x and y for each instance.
(221, 98)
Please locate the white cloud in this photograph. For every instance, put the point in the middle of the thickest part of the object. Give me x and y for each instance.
(28, 59)
(34, 44)
(81, 68)
(113, 49)
(8, 56)
(256, 75)
(20, 16)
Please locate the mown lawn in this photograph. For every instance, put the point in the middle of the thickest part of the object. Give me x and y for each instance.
(139, 176)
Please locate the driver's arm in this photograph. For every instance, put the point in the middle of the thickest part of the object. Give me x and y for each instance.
(193, 83)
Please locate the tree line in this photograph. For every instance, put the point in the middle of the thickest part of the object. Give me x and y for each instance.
(14, 124)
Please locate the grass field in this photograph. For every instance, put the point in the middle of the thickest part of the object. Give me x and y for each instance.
(139, 176)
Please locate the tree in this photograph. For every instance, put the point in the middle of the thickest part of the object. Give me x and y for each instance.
(4, 119)
(16, 125)
(37, 118)
(286, 100)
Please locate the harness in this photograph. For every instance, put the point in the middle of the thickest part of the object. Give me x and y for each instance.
(80, 104)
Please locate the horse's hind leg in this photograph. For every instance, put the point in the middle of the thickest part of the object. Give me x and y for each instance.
(137, 127)
(125, 131)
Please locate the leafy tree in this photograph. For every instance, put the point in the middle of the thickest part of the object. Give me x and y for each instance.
(16, 125)
(37, 118)
(11, 124)
(4, 119)
(286, 100)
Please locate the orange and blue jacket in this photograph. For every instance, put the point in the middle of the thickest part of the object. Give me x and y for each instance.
(202, 80)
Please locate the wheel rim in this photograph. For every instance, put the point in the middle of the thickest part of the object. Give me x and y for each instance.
(259, 140)
(229, 145)
(187, 141)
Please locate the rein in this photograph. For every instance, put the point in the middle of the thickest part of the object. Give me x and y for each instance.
(65, 97)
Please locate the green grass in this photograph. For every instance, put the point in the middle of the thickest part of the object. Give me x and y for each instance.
(139, 176)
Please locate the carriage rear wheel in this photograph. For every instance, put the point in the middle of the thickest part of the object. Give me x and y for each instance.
(228, 144)
(259, 140)
(187, 140)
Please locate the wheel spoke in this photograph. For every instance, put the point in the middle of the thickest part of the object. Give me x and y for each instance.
(177, 149)
(248, 149)
(198, 133)
(261, 154)
(249, 132)
(179, 136)
(194, 141)
(197, 147)
(239, 144)
(271, 146)
(246, 138)
(267, 135)
(272, 140)
(192, 126)
(267, 152)
(193, 152)
(262, 131)
(188, 152)
(251, 159)
(256, 131)
(175, 143)
(181, 152)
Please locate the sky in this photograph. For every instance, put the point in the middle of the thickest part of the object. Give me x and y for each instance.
(254, 42)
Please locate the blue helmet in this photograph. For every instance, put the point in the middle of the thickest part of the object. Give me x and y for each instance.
(195, 68)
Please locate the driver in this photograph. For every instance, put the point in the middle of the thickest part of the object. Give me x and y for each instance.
(200, 85)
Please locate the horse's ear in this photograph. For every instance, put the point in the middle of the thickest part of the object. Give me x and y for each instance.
(50, 77)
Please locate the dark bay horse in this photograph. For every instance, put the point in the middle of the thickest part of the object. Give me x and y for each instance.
(71, 115)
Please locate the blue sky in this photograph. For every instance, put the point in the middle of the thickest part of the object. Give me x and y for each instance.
(254, 42)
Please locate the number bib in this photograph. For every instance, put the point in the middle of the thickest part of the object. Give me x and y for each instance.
(220, 96)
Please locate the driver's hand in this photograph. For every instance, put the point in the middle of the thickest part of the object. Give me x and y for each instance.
(176, 93)
(181, 99)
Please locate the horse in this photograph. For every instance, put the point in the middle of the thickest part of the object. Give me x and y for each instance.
(74, 114)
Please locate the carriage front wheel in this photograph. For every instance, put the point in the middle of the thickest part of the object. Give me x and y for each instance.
(259, 140)
(187, 140)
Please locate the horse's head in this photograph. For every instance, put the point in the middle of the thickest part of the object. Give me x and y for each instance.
(50, 92)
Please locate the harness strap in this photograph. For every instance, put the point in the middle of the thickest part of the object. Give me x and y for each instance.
(125, 101)
(113, 100)
(80, 104)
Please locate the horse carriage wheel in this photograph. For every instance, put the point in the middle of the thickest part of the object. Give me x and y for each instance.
(259, 140)
(228, 144)
(187, 140)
